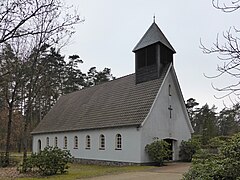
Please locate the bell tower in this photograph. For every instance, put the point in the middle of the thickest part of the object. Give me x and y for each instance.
(152, 53)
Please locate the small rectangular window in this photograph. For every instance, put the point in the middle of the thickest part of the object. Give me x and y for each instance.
(141, 58)
(65, 143)
(47, 141)
(56, 142)
(102, 142)
(75, 142)
(169, 90)
(118, 141)
(88, 142)
(151, 55)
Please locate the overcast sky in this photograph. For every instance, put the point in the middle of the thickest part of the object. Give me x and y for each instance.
(112, 29)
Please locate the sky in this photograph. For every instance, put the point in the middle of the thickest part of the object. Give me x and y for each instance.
(112, 29)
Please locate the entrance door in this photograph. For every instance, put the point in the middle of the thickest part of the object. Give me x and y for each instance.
(170, 141)
(39, 146)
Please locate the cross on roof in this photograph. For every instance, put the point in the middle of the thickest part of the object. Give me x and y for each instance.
(170, 111)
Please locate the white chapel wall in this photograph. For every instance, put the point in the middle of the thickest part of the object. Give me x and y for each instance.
(130, 144)
(158, 124)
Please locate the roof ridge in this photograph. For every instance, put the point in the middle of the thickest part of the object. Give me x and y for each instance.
(97, 85)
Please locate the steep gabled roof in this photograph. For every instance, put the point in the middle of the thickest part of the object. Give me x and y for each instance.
(117, 103)
(152, 36)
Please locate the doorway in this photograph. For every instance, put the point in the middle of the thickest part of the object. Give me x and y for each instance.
(170, 142)
(39, 146)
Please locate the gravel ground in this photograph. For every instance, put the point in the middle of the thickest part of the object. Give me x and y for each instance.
(10, 172)
(173, 171)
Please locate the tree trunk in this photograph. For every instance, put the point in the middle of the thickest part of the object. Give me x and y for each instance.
(25, 131)
(25, 144)
(9, 132)
(19, 146)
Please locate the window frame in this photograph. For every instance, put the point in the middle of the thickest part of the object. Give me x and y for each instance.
(75, 142)
(55, 142)
(88, 142)
(47, 141)
(65, 142)
(118, 142)
(169, 90)
(102, 142)
(146, 56)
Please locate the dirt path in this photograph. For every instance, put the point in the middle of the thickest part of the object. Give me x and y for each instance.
(173, 171)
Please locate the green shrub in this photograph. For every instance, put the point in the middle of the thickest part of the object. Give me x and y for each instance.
(50, 161)
(188, 149)
(158, 151)
(204, 155)
(224, 165)
(207, 171)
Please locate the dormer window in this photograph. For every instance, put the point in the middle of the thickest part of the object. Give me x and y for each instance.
(146, 56)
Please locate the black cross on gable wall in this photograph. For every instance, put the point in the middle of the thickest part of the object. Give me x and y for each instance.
(170, 111)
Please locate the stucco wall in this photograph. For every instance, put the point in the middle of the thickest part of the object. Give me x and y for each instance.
(159, 124)
(130, 144)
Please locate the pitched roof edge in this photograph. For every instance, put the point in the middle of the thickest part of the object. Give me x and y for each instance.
(182, 101)
(155, 100)
(97, 85)
(87, 129)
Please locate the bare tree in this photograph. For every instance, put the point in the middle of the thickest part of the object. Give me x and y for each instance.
(27, 26)
(229, 6)
(227, 47)
(19, 18)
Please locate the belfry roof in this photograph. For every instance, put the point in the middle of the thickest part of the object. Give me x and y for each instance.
(152, 36)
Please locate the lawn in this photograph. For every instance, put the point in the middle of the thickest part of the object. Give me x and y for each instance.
(78, 171)
(75, 171)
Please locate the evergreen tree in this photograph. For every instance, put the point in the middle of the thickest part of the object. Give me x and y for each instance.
(191, 109)
(228, 120)
(206, 123)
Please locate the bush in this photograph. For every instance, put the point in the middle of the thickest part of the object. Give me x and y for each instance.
(207, 171)
(188, 149)
(158, 151)
(224, 165)
(3, 160)
(50, 161)
(7, 160)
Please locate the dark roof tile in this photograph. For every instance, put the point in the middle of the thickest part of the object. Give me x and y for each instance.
(120, 102)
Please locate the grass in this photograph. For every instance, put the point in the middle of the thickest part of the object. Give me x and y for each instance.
(78, 171)
(16, 158)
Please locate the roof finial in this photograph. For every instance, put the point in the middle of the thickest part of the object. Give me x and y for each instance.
(154, 18)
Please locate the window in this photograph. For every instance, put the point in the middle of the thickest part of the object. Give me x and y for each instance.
(75, 142)
(65, 142)
(102, 142)
(151, 55)
(88, 142)
(39, 146)
(47, 141)
(56, 142)
(118, 142)
(146, 56)
(169, 90)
